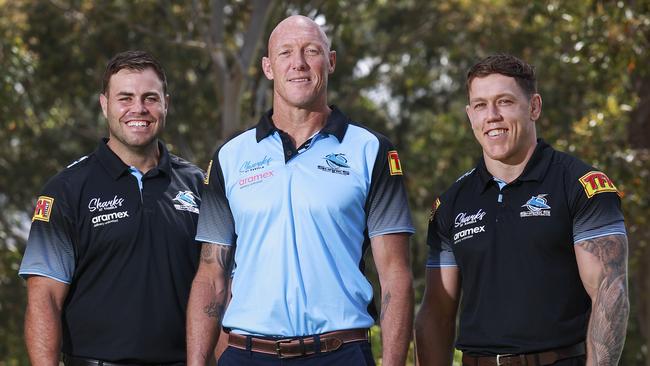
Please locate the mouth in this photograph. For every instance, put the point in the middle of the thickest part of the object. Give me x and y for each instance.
(299, 80)
(138, 123)
(496, 132)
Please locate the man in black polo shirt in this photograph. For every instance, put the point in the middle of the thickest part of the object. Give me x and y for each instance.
(533, 238)
(111, 253)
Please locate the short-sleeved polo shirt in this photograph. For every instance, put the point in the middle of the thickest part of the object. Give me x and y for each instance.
(513, 244)
(127, 254)
(301, 219)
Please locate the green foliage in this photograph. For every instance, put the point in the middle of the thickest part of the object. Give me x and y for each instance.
(400, 70)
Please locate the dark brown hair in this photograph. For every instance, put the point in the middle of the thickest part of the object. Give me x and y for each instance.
(506, 65)
(133, 60)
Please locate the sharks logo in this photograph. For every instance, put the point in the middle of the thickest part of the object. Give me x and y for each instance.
(186, 201)
(537, 206)
(337, 163)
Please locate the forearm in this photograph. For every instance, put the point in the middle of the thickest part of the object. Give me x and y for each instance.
(43, 331)
(434, 337)
(205, 311)
(608, 323)
(208, 300)
(396, 318)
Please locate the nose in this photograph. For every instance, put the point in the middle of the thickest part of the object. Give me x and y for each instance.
(298, 61)
(493, 113)
(140, 107)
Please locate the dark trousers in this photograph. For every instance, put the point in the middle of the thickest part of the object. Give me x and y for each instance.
(350, 354)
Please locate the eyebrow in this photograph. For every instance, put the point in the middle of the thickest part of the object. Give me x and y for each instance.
(501, 95)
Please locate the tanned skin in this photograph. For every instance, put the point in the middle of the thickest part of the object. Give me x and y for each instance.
(603, 269)
(208, 300)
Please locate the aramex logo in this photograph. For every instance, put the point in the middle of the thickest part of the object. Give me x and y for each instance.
(253, 179)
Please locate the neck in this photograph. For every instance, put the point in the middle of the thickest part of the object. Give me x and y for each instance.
(143, 159)
(508, 171)
(300, 124)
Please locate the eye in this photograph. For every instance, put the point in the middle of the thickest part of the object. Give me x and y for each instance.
(505, 102)
(124, 99)
(284, 52)
(312, 51)
(151, 99)
(479, 105)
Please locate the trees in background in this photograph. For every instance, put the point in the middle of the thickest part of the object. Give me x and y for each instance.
(400, 70)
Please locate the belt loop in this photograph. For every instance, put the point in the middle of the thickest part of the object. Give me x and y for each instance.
(302, 346)
(524, 360)
(249, 343)
(317, 343)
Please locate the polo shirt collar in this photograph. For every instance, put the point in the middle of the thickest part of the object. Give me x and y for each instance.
(116, 167)
(534, 171)
(336, 125)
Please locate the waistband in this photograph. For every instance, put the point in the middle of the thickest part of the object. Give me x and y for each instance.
(528, 359)
(298, 346)
(80, 361)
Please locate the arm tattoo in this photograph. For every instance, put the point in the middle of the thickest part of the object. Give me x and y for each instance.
(206, 254)
(214, 310)
(609, 313)
(384, 305)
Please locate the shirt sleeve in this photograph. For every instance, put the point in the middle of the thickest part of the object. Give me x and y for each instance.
(50, 251)
(387, 204)
(597, 207)
(438, 240)
(216, 224)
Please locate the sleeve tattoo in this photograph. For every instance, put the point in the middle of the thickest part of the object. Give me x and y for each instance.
(222, 256)
(610, 310)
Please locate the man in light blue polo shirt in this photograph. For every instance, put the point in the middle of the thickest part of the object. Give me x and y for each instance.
(293, 203)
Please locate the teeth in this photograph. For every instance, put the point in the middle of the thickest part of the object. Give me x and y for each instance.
(304, 79)
(496, 132)
(137, 124)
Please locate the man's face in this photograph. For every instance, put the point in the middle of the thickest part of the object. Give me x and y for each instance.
(135, 107)
(299, 62)
(503, 118)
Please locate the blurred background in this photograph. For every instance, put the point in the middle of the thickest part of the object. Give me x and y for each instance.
(400, 70)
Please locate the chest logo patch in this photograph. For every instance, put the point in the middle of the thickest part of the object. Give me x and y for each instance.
(536, 206)
(336, 163)
(249, 166)
(96, 204)
(186, 201)
(596, 182)
(43, 209)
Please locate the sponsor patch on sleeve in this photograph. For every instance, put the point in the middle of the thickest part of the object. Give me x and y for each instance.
(596, 182)
(43, 209)
(206, 180)
(394, 164)
(434, 208)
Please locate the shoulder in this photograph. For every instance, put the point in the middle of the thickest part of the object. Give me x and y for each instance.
(237, 141)
(569, 164)
(74, 173)
(358, 131)
(445, 201)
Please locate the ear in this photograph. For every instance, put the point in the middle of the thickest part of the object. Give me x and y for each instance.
(535, 106)
(332, 59)
(103, 101)
(168, 100)
(468, 111)
(266, 67)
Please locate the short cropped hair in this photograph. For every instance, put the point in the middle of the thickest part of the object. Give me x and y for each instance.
(133, 60)
(507, 65)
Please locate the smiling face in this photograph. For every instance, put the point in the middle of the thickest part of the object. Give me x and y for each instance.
(299, 62)
(135, 106)
(503, 118)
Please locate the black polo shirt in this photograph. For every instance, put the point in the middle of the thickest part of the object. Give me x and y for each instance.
(521, 290)
(129, 255)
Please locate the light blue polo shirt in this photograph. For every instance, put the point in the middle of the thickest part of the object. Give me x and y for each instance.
(301, 220)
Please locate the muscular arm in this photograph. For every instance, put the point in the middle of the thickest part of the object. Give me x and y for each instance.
(602, 263)
(435, 324)
(391, 254)
(208, 299)
(45, 298)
